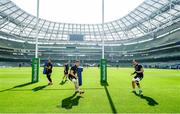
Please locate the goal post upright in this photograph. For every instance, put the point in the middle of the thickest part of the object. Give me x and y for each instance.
(103, 63)
(36, 60)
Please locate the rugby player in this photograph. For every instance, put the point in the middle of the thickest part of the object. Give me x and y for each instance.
(49, 71)
(73, 77)
(66, 69)
(139, 74)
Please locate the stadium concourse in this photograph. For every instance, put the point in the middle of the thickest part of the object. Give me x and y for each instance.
(149, 34)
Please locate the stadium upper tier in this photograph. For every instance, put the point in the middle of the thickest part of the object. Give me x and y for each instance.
(163, 48)
(149, 17)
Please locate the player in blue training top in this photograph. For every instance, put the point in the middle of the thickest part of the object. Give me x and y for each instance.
(49, 71)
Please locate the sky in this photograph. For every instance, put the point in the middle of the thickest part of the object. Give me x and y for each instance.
(79, 11)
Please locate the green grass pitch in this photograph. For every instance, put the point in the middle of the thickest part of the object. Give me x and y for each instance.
(161, 90)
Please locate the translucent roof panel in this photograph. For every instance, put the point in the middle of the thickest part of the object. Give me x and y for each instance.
(79, 11)
(148, 17)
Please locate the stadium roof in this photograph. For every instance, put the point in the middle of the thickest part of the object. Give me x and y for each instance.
(79, 11)
(148, 17)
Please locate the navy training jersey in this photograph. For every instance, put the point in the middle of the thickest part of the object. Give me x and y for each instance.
(138, 68)
(49, 67)
(74, 69)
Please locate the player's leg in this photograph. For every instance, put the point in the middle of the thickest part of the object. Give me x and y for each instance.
(47, 75)
(75, 81)
(134, 84)
(77, 88)
(66, 75)
(138, 85)
(49, 78)
(63, 79)
(63, 76)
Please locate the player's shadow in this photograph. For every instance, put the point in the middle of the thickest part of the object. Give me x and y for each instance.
(39, 88)
(149, 100)
(63, 82)
(18, 86)
(71, 101)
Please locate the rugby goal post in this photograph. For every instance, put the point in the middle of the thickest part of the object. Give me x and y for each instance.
(35, 70)
(103, 71)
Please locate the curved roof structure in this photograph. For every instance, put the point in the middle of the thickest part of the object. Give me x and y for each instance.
(148, 17)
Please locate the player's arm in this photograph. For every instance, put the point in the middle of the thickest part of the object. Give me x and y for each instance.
(50, 67)
(133, 73)
(141, 71)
